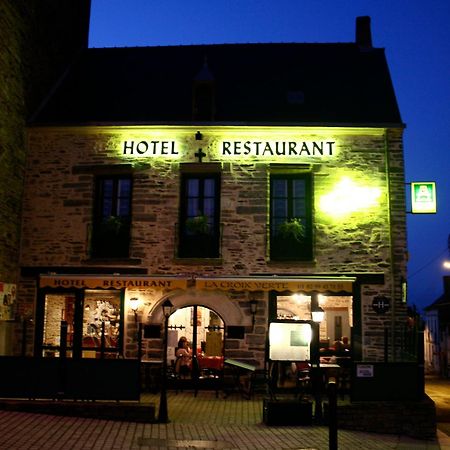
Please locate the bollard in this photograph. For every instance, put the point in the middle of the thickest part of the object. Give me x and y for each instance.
(332, 416)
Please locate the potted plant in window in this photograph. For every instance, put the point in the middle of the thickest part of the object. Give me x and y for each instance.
(111, 237)
(198, 239)
(287, 240)
(198, 225)
(292, 229)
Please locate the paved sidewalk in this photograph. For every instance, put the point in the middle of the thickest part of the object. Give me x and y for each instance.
(201, 422)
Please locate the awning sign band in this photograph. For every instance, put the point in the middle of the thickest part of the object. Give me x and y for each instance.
(116, 282)
(280, 285)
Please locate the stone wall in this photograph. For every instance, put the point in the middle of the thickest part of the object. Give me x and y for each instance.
(39, 38)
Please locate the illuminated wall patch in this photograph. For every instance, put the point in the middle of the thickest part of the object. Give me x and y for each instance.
(348, 197)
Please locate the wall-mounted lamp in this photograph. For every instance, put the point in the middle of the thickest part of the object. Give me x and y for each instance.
(167, 308)
(253, 309)
(134, 305)
(198, 136)
(317, 314)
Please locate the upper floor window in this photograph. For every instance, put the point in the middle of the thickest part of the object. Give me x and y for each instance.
(112, 217)
(199, 229)
(291, 217)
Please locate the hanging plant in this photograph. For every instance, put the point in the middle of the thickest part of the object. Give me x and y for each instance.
(198, 225)
(113, 224)
(292, 229)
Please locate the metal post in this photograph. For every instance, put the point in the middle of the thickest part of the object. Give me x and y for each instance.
(63, 340)
(139, 341)
(332, 416)
(316, 373)
(102, 342)
(163, 416)
(24, 337)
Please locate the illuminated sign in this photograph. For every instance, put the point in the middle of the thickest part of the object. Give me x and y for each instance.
(289, 341)
(115, 282)
(279, 284)
(172, 146)
(150, 148)
(423, 198)
(261, 148)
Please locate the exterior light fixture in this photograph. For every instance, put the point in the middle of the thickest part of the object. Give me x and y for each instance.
(167, 308)
(253, 309)
(317, 314)
(198, 136)
(134, 305)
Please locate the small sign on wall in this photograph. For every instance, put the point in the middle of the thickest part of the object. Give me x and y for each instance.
(364, 370)
(381, 304)
(423, 198)
(7, 300)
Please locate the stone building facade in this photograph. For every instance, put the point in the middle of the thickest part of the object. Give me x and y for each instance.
(243, 199)
(37, 47)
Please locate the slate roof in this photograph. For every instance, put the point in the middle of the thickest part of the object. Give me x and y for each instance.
(332, 84)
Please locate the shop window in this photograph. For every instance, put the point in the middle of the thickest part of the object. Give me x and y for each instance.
(101, 321)
(199, 228)
(86, 328)
(58, 330)
(112, 218)
(291, 217)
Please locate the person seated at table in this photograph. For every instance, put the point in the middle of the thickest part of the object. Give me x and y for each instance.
(184, 358)
(346, 342)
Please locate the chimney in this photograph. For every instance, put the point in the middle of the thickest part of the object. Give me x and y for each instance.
(363, 33)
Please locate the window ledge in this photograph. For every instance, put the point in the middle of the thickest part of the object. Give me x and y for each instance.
(290, 262)
(113, 261)
(199, 261)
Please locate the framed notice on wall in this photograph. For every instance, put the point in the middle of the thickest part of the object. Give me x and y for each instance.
(289, 341)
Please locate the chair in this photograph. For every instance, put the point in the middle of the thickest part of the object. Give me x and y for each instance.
(303, 377)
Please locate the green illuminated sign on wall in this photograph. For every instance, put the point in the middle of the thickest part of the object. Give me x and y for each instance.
(423, 198)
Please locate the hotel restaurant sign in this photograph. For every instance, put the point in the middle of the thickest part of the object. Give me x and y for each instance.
(280, 284)
(229, 149)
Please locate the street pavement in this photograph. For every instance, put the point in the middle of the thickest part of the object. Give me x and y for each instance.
(202, 422)
(438, 389)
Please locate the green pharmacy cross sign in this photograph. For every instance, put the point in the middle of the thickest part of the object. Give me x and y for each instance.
(423, 198)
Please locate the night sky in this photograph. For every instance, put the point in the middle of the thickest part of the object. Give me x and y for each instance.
(416, 36)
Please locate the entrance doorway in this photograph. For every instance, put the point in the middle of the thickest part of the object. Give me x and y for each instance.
(204, 330)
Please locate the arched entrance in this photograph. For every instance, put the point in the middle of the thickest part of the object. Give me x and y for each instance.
(204, 330)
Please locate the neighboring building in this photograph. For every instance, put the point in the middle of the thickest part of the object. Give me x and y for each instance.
(437, 333)
(39, 40)
(221, 177)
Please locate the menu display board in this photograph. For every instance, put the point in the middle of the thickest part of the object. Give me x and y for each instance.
(289, 341)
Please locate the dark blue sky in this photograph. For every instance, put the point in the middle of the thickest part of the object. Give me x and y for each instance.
(416, 36)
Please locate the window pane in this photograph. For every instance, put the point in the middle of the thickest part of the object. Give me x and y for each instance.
(107, 207)
(280, 208)
(299, 208)
(279, 188)
(209, 187)
(192, 207)
(192, 187)
(208, 207)
(124, 187)
(298, 188)
(107, 188)
(57, 308)
(99, 309)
